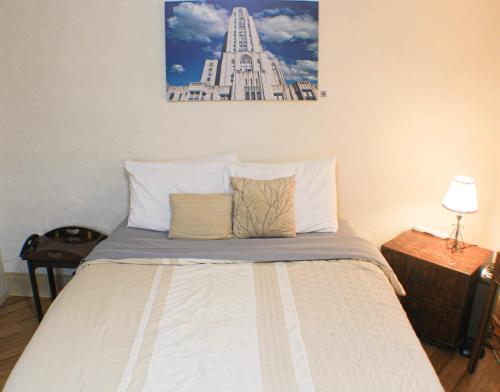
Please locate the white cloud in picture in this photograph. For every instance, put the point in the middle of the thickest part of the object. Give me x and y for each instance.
(300, 70)
(177, 68)
(274, 12)
(215, 51)
(283, 28)
(313, 47)
(198, 22)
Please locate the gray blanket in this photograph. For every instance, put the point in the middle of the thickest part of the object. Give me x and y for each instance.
(127, 243)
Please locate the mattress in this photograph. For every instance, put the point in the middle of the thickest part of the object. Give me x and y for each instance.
(179, 323)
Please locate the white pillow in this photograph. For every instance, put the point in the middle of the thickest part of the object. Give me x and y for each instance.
(151, 184)
(315, 193)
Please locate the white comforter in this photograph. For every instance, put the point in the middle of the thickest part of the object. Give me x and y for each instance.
(185, 325)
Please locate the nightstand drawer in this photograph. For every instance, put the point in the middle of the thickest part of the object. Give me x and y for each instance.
(433, 322)
(430, 282)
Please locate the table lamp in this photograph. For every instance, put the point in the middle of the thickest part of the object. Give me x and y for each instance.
(460, 198)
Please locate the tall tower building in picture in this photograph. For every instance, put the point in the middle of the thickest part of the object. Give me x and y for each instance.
(244, 71)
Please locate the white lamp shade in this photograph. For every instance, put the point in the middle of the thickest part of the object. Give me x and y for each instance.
(461, 196)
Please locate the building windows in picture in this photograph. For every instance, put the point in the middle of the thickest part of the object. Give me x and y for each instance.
(279, 96)
(171, 96)
(246, 63)
(252, 93)
(194, 95)
(308, 94)
(277, 76)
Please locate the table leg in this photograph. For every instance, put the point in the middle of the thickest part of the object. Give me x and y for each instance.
(52, 283)
(36, 295)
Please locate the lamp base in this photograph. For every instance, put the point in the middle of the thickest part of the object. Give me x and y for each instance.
(456, 242)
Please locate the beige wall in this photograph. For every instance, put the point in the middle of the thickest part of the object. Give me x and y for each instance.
(3, 282)
(413, 98)
(495, 215)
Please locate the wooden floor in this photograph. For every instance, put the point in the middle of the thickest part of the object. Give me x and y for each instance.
(18, 323)
(451, 368)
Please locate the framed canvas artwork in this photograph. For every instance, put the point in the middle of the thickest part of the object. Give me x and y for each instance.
(246, 50)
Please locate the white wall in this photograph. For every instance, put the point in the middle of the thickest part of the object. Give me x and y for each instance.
(413, 100)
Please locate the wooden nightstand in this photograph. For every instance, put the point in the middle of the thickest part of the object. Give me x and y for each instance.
(64, 247)
(439, 293)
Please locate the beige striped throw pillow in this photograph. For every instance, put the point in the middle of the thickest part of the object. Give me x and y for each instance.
(201, 216)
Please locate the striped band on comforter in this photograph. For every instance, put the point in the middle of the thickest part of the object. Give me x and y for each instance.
(213, 325)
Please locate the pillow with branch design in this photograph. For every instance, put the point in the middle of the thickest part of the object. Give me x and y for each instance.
(263, 208)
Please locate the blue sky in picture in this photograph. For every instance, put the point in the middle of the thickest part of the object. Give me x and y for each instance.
(194, 32)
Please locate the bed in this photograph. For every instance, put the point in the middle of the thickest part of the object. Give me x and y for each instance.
(318, 312)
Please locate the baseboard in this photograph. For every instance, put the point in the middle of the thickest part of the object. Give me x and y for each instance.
(18, 283)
